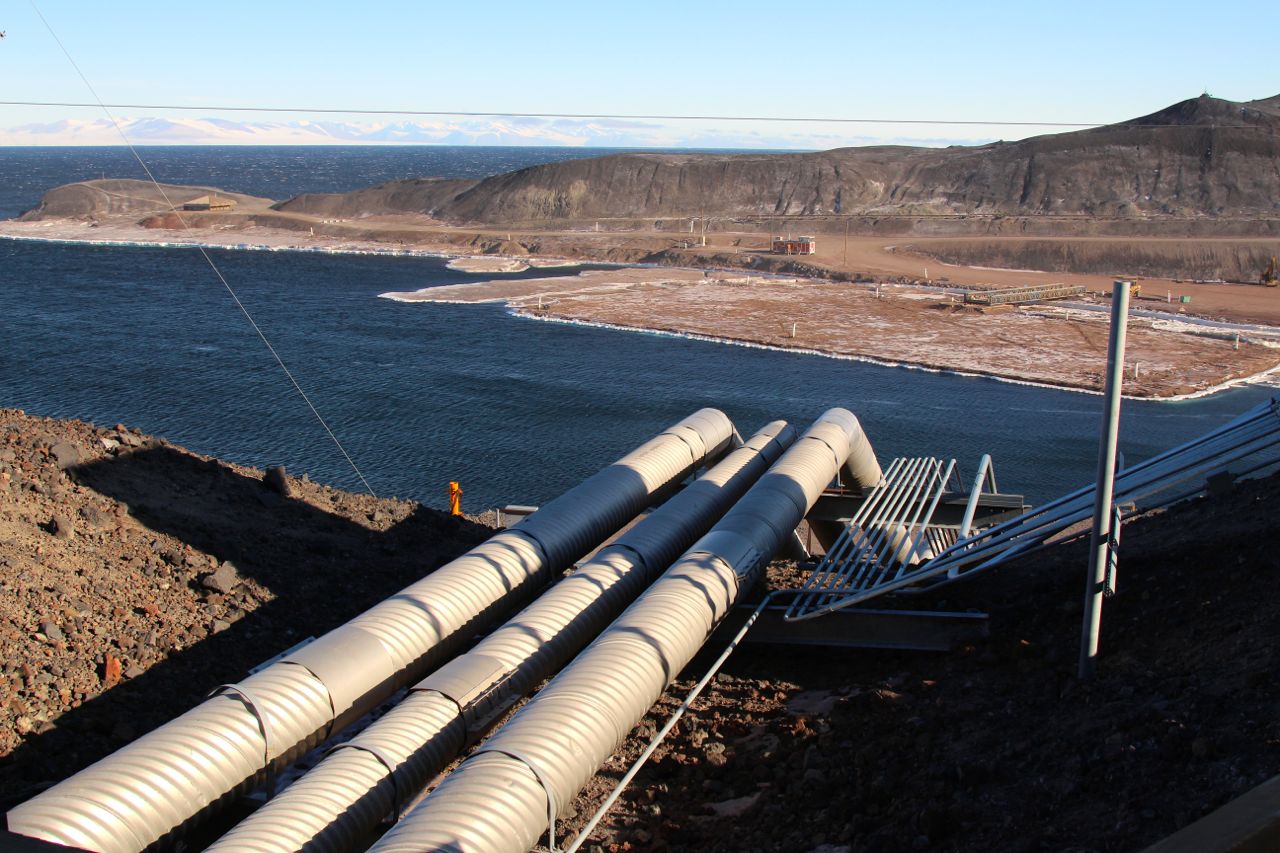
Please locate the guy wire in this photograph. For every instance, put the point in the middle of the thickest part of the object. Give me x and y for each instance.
(203, 252)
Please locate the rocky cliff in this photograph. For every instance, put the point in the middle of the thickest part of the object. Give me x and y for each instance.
(1202, 157)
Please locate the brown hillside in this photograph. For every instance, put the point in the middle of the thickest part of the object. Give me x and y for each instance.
(95, 199)
(1203, 157)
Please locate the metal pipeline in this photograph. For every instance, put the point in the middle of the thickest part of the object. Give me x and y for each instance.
(156, 787)
(503, 796)
(335, 805)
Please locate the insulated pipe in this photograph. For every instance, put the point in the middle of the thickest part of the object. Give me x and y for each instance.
(380, 770)
(147, 792)
(500, 798)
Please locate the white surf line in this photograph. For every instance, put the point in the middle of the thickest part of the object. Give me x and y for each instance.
(533, 263)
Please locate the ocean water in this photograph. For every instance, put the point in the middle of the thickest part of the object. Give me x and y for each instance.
(421, 394)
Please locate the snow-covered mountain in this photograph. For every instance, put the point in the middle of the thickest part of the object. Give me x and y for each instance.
(443, 131)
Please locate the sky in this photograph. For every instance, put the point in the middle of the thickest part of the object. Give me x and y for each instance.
(1087, 62)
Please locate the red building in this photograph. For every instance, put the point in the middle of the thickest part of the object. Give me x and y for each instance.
(795, 245)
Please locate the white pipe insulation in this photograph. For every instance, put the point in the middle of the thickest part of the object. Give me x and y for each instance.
(146, 793)
(499, 799)
(339, 802)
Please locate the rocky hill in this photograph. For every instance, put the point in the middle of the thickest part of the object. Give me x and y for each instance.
(417, 195)
(116, 196)
(1203, 157)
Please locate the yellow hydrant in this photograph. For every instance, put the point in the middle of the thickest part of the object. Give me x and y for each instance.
(455, 498)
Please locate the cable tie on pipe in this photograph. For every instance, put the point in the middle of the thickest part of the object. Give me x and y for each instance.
(542, 780)
(533, 540)
(396, 801)
(623, 545)
(247, 698)
(694, 456)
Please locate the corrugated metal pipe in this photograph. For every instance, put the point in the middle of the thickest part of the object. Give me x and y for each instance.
(500, 798)
(147, 792)
(338, 803)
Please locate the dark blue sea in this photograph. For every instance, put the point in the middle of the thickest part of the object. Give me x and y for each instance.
(421, 394)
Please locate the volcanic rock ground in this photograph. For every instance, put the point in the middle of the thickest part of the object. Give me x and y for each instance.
(135, 575)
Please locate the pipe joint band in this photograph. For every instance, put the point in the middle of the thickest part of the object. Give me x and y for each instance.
(346, 661)
(539, 775)
(396, 800)
(623, 546)
(270, 749)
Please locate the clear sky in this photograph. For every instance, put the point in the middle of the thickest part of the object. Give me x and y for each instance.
(1084, 61)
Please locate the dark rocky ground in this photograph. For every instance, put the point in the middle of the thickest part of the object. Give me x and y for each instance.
(135, 575)
(995, 747)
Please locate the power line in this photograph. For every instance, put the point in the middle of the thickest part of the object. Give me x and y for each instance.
(616, 116)
(203, 252)
(506, 114)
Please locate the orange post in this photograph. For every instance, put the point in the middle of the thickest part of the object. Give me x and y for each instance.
(455, 498)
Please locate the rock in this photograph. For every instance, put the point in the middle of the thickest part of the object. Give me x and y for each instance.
(219, 625)
(224, 579)
(60, 526)
(65, 454)
(815, 777)
(51, 630)
(134, 671)
(735, 807)
(277, 481)
(111, 671)
(94, 516)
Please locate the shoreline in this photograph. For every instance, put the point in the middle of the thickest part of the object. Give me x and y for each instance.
(473, 265)
(522, 313)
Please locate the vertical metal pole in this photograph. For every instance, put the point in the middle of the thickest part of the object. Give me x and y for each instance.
(1100, 540)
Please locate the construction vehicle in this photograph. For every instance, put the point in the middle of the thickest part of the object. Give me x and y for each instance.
(1268, 277)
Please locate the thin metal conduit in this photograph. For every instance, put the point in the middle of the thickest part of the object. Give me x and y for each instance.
(501, 798)
(335, 805)
(150, 791)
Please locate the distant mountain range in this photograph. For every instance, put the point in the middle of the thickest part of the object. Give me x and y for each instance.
(604, 133)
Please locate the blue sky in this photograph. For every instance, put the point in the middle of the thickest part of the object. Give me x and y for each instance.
(1079, 62)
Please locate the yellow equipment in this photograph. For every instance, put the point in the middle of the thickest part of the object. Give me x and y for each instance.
(455, 498)
(1268, 277)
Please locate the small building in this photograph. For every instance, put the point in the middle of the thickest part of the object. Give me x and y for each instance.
(795, 245)
(209, 202)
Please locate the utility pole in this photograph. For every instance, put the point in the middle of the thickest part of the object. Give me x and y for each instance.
(1102, 541)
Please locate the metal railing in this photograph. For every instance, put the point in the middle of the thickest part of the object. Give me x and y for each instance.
(1249, 435)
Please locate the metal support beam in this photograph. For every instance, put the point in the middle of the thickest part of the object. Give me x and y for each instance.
(1102, 540)
(909, 630)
